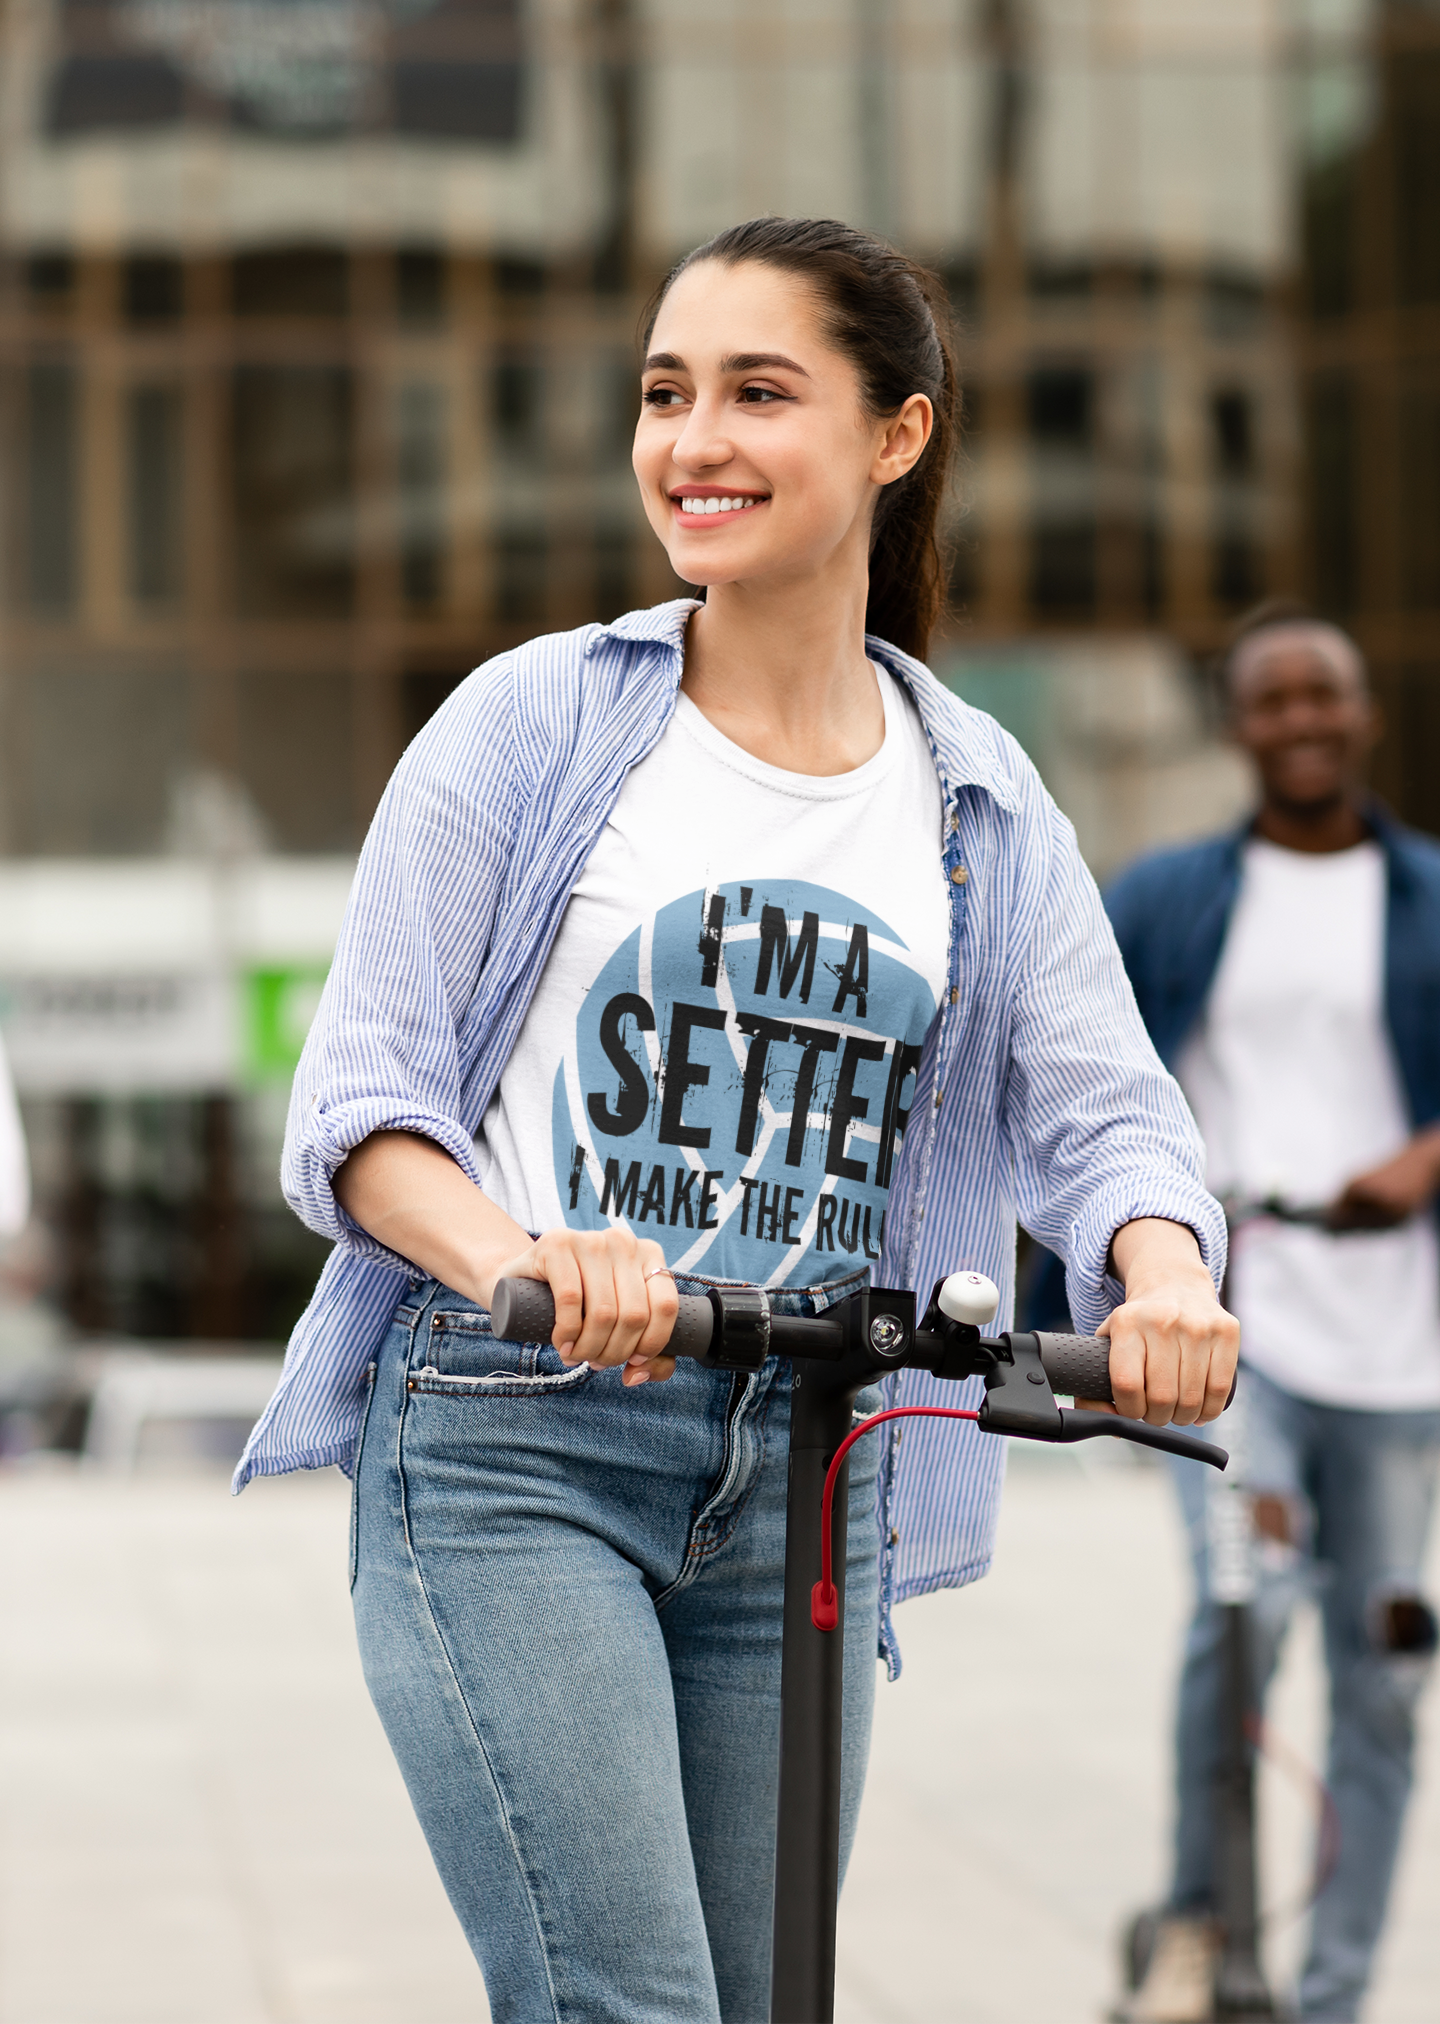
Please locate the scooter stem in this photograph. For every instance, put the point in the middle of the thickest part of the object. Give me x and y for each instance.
(812, 1692)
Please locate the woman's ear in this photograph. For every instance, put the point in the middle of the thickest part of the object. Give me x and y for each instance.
(904, 440)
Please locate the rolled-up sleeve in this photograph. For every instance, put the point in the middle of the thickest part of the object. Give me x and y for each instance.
(1099, 1131)
(385, 1050)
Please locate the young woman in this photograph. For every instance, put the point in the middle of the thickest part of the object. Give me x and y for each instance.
(722, 942)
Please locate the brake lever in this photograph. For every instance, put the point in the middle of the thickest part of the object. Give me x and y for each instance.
(1019, 1402)
(1078, 1426)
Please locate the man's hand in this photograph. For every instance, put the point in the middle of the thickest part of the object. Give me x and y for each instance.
(1389, 1195)
(1173, 1348)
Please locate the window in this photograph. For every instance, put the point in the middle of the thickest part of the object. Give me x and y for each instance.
(1060, 407)
(1331, 444)
(1420, 497)
(155, 521)
(292, 281)
(1234, 574)
(421, 472)
(296, 746)
(51, 480)
(614, 572)
(521, 559)
(516, 414)
(104, 747)
(154, 289)
(420, 287)
(50, 280)
(293, 490)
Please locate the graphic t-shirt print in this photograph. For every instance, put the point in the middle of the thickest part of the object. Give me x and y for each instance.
(739, 1082)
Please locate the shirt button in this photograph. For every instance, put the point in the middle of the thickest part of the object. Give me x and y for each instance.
(894, 1536)
(954, 994)
(959, 875)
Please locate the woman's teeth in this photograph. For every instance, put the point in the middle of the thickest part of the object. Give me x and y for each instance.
(716, 505)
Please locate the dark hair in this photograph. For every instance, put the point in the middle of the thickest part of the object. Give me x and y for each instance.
(890, 318)
(1270, 616)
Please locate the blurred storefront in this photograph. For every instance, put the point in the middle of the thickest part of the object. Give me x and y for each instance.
(317, 386)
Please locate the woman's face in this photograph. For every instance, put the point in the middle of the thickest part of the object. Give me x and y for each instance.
(753, 451)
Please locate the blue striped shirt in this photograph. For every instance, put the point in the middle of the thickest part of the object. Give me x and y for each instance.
(1038, 1093)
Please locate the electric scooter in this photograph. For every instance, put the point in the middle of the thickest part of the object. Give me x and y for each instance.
(834, 1356)
(1240, 1993)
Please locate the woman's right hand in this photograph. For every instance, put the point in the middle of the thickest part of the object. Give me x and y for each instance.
(615, 1302)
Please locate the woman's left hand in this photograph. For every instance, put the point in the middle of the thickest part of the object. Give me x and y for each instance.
(1173, 1347)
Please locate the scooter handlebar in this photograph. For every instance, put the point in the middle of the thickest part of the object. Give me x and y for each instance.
(1078, 1365)
(523, 1310)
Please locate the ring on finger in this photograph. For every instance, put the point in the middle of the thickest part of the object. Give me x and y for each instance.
(658, 1272)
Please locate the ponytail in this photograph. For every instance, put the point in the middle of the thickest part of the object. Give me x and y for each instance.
(889, 316)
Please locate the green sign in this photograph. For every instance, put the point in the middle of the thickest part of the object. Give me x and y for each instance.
(280, 1003)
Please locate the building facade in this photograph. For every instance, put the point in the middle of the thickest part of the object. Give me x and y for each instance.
(317, 383)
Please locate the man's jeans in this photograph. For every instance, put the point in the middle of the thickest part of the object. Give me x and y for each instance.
(568, 1597)
(1356, 1490)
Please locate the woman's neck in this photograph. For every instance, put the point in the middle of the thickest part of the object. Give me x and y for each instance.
(785, 676)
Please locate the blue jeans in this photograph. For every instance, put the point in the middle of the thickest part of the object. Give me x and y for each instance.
(569, 1597)
(1356, 1488)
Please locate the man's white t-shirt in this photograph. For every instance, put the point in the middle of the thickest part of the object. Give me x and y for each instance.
(722, 1049)
(1293, 1083)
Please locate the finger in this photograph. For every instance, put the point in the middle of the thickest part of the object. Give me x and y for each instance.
(1162, 1375)
(1127, 1365)
(561, 1273)
(648, 1370)
(632, 1302)
(663, 1300)
(1224, 1356)
(1196, 1350)
(1093, 1406)
(602, 1305)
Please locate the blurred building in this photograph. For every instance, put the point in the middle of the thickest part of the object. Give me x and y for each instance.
(317, 386)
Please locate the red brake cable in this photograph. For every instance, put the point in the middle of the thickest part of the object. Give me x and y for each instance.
(824, 1603)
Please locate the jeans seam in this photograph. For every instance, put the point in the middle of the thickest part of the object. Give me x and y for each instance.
(699, 1550)
(370, 1377)
(450, 1667)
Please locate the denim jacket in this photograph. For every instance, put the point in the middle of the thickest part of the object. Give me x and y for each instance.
(1037, 1090)
(1171, 913)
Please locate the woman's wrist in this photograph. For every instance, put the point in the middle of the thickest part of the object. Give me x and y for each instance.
(1152, 1253)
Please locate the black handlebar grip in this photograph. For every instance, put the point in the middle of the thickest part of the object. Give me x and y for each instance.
(1080, 1365)
(523, 1310)
(1077, 1364)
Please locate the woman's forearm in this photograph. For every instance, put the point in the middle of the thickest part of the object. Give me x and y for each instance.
(408, 1194)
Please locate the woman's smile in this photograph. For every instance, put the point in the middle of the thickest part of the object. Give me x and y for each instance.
(703, 505)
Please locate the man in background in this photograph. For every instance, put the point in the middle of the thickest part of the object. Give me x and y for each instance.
(1290, 975)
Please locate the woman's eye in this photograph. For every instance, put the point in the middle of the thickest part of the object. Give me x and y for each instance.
(662, 397)
(761, 396)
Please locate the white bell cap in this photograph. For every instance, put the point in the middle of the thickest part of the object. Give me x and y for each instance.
(969, 1297)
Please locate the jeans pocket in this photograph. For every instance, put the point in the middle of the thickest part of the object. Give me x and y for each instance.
(461, 1359)
(355, 1478)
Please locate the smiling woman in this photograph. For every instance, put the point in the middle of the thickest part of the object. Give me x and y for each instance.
(719, 943)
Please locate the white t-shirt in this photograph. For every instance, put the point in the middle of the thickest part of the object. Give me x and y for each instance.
(1293, 1083)
(722, 1048)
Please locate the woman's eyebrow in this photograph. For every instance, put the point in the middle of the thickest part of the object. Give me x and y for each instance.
(757, 361)
(738, 361)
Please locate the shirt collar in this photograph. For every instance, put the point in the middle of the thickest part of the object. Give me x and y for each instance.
(961, 737)
(660, 625)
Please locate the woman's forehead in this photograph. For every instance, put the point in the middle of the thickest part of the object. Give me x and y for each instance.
(716, 309)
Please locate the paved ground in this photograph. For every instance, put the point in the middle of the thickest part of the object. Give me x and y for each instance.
(199, 1822)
